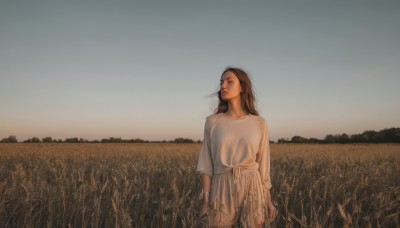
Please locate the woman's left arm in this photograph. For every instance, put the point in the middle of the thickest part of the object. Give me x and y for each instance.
(271, 208)
(263, 158)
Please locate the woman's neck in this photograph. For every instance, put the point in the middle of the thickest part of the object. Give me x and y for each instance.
(235, 109)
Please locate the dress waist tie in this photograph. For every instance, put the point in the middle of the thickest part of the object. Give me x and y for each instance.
(236, 173)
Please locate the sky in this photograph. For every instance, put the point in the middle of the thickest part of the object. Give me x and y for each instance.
(145, 69)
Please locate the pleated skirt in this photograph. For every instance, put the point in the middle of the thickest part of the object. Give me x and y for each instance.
(237, 198)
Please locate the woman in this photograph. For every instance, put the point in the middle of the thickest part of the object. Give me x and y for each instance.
(234, 159)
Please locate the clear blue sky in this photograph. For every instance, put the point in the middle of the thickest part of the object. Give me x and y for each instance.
(143, 69)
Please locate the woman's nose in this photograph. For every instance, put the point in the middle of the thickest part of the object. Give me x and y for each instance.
(223, 85)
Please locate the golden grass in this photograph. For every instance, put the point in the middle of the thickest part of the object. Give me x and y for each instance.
(155, 185)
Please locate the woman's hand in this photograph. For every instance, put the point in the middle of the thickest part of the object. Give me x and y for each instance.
(271, 211)
(271, 208)
(205, 208)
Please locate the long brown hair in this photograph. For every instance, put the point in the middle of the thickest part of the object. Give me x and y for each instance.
(246, 96)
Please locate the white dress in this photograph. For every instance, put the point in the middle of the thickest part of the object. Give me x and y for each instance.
(235, 154)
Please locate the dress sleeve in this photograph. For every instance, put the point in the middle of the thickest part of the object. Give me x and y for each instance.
(205, 163)
(263, 158)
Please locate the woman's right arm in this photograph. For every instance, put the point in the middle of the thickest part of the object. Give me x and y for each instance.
(205, 164)
(206, 188)
(206, 168)
(205, 206)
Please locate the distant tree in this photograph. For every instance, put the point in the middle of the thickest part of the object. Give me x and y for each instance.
(137, 140)
(35, 140)
(282, 140)
(183, 140)
(114, 140)
(9, 139)
(82, 140)
(72, 140)
(343, 138)
(369, 135)
(391, 135)
(356, 138)
(298, 139)
(12, 139)
(314, 140)
(47, 140)
(330, 139)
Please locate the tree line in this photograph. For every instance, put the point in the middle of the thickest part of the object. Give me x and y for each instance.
(13, 139)
(387, 135)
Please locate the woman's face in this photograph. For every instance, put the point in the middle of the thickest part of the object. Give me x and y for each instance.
(230, 86)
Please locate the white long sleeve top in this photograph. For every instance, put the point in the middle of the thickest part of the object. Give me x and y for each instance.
(235, 143)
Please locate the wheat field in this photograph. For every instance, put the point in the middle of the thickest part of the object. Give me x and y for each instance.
(155, 185)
